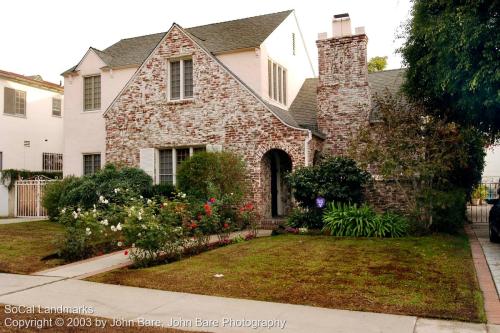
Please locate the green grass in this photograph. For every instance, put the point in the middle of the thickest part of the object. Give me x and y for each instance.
(429, 276)
(24, 245)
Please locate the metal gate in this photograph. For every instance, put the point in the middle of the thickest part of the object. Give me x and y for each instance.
(28, 197)
(478, 209)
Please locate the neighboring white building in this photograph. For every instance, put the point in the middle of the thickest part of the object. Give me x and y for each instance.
(266, 52)
(491, 172)
(31, 127)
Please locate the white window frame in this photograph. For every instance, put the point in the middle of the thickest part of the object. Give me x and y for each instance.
(274, 80)
(60, 107)
(174, 160)
(93, 108)
(93, 160)
(53, 159)
(169, 79)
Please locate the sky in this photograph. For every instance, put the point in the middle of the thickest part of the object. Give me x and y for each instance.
(51, 36)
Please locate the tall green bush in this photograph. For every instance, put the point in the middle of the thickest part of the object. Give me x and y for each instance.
(335, 179)
(215, 174)
(84, 192)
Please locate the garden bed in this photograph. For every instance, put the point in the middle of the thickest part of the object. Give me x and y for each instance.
(429, 276)
(27, 247)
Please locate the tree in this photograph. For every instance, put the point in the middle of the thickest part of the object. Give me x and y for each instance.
(415, 151)
(451, 52)
(376, 64)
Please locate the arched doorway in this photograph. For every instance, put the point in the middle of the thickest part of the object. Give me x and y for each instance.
(275, 164)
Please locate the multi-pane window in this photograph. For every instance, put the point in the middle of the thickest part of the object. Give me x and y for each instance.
(92, 92)
(91, 163)
(56, 107)
(181, 79)
(14, 102)
(166, 166)
(293, 43)
(171, 158)
(52, 162)
(277, 76)
(182, 155)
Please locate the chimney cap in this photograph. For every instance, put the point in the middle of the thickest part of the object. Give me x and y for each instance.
(339, 16)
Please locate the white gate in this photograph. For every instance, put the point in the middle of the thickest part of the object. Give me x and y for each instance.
(28, 197)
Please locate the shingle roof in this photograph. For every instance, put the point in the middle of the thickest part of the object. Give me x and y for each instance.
(217, 37)
(304, 108)
(31, 81)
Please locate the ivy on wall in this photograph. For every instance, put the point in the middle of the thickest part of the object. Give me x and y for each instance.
(9, 176)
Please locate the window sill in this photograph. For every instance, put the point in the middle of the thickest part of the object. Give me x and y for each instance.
(180, 101)
(22, 116)
(91, 111)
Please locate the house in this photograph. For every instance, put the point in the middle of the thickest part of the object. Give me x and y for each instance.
(246, 86)
(31, 127)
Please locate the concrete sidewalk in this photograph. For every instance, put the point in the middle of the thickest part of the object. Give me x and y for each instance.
(130, 303)
(85, 268)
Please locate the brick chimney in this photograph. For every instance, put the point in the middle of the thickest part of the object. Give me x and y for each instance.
(343, 97)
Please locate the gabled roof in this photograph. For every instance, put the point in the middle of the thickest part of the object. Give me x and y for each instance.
(217, 38)
(34, 81)
(304, 108)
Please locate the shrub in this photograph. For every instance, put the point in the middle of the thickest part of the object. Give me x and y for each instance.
(154, 236)
(209, 174)
(352, 220)
(84, 192)
(335, 179)
(165, 190)
(448, 210)
(305, 218)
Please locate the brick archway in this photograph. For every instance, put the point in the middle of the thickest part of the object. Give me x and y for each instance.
(275, 195)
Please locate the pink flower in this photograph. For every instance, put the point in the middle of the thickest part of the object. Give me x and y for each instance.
(212, 200)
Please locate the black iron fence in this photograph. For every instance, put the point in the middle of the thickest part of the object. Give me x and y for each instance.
(483, 197)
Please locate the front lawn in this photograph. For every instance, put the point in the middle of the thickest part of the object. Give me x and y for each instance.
(429, 276)
(24, 245)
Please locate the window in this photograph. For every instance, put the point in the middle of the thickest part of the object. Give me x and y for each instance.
(166, 166)
(91, 163)
(56, 107)
(293, 43)
(171, 158)
(52, 162)
(92, 93)
(181, 79)
(14, 102)
(277, 76)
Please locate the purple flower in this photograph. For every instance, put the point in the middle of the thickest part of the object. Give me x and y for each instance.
(320, 202)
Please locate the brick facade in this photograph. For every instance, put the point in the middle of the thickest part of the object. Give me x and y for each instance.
(222, 112)
(343, 93)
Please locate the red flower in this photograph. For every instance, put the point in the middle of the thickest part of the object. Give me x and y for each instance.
(226, 225)
(126, 252)
(193, 226)
(212, 200)
(208, 209)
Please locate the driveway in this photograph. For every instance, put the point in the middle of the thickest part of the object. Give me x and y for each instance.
(491, 252)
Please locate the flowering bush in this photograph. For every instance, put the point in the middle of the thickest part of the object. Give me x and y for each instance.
(154, 233)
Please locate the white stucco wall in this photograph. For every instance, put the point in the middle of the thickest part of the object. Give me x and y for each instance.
(246, 65)
(44, 131)
(84, 130)
(278, 47)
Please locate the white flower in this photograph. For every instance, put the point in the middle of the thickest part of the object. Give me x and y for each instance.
(219, 275)
(139, 235)
(106, 201)
(141, 197)
(118, 227)
(101, 198)
(63, 210)
(104, 222)
(149, 201)
(117, 190)
(79, 210)
(75, 215)
(119, 244)
(113, 228)
(88, 232)
(94, 210)
(133, 244)
(143, 226)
